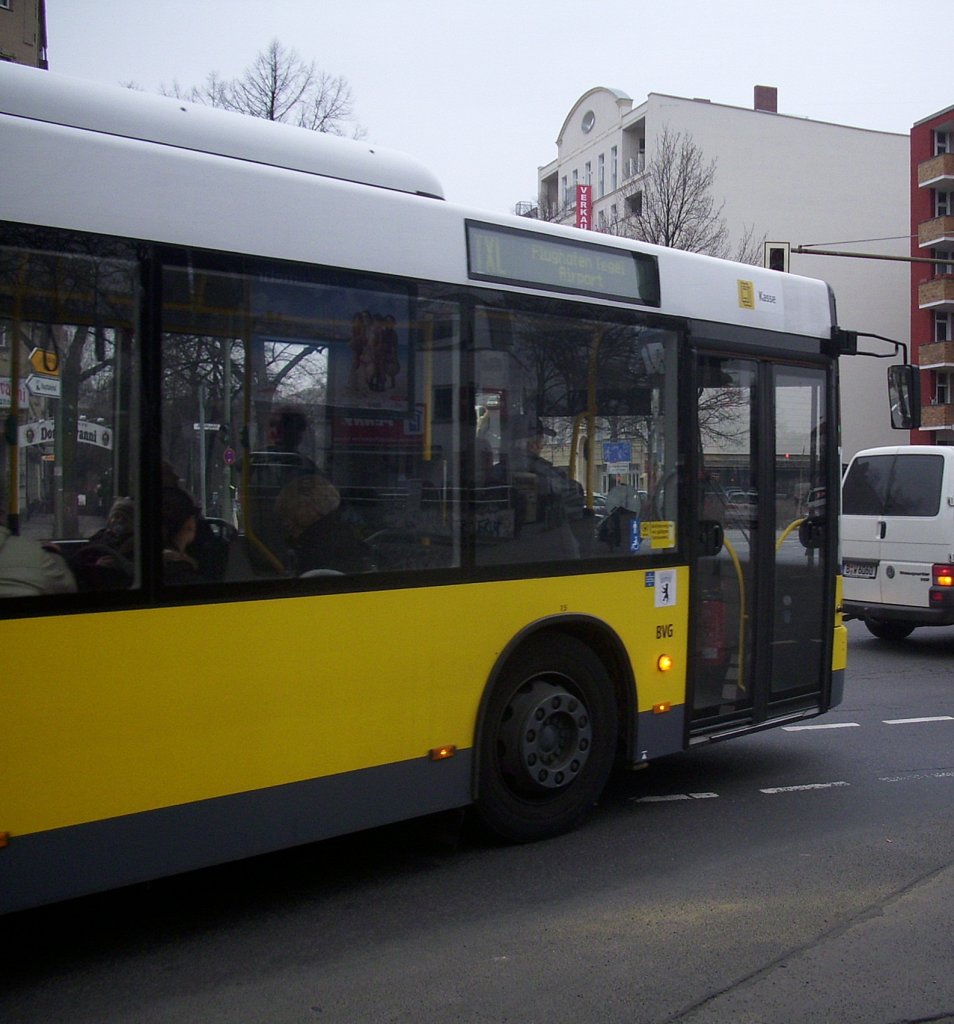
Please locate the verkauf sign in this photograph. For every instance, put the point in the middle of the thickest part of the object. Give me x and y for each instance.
(584, 206)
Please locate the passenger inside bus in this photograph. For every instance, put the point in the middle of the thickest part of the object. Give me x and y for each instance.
(208, 549)
(28, 568)
(287, 427)
(269, 471)
(107, 560)
(179, 522)
(319, 537)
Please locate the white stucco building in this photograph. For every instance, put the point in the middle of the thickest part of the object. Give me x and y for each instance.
(784, 178)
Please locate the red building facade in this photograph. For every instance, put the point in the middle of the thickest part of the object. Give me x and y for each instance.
(932, 285)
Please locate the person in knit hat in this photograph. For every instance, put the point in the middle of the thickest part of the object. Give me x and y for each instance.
(308, 508)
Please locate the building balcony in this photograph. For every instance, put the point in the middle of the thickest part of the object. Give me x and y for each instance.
(937, 417)
(936, 355)
(938, 172)
(937, 293)
(634, 166)
(939, 231)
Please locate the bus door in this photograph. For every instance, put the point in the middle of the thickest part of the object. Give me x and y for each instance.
(760, 637)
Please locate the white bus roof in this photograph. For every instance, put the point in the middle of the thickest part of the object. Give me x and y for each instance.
(41, 96)
(113, 161)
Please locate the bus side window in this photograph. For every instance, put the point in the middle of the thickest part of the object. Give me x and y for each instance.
(68, 472)
(270, 380)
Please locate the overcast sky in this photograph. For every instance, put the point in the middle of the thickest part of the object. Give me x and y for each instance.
(479, 89)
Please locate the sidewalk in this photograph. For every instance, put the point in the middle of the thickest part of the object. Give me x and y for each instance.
(894, 964)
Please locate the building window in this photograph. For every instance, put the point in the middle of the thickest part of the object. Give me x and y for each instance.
(943, 143)
(588, 173)
(614, 214)
(600, 176)
(942, 389)
(566, 192)
(614, 170)
(943, 327)
(942, 203)
(601, 220)
(940, 269)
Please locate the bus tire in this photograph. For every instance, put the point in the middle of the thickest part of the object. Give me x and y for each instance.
(548, 740)
(885, 629)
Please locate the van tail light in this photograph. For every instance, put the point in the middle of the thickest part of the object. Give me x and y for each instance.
(942, 586)
(942, 575)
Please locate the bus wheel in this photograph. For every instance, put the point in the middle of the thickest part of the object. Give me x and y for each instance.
(885, 629)
(548, 740)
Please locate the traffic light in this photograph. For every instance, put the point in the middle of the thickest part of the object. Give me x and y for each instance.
(776, 255)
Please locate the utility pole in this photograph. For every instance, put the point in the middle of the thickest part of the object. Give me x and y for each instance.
(807, 250)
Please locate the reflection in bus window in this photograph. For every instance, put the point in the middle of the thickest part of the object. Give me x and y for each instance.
(570, 412)
(271, 381)
(68, 309)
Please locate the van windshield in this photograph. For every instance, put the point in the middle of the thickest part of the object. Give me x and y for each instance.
(893, 485)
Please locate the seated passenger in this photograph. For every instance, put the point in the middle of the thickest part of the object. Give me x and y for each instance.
(268, 472)
(106, 560)
(179, 519)
(27, 568)
(308, 508)
(208, 550)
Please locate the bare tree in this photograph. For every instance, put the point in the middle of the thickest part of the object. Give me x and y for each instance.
(749, 248)
(673, 204)
(279, 86)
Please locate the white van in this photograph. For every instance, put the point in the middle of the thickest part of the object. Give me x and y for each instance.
(897, 538)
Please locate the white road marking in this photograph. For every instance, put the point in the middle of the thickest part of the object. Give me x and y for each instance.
(802, 789)
(913, 721)
(917, 775)
(674, 796)
(826, 725)
(774, 790)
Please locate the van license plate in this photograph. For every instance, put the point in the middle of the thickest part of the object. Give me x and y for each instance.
(860, 570)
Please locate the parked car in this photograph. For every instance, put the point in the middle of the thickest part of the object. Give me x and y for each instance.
(743, 504)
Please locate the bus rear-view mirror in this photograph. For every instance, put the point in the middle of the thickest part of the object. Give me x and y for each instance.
(904, 397)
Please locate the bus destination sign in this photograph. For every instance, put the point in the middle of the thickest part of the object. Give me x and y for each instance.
(534, 260)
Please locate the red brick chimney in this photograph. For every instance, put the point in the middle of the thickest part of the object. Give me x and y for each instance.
(766, 98)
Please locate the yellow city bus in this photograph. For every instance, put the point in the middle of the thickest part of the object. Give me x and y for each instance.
(375, 506)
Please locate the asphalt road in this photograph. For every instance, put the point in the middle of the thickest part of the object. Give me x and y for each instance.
(795, 875)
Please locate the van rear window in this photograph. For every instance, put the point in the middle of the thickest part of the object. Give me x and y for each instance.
(893, 485)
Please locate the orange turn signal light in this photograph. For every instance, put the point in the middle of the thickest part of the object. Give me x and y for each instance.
(662, 707)
(664, 662)
(442, 753)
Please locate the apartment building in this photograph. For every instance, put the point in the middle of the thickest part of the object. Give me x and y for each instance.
(932, 285)
(780, 178)
(23, 32)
